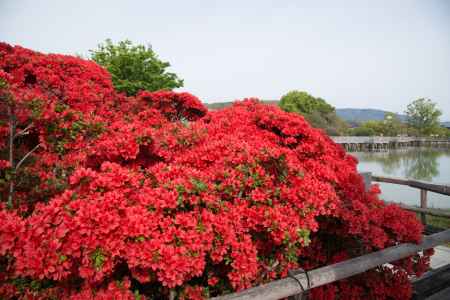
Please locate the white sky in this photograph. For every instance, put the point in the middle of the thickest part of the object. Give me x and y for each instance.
(362, 54)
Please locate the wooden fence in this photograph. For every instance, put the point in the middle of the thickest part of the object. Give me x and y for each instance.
(424, 188)
(290, 286)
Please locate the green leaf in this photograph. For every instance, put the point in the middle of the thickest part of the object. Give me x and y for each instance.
(304, 235)
(139, 238)
(98, 258)
(62, 258)
(137, 296)
(199, 186)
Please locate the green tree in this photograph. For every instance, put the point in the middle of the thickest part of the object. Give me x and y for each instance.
(362, 131)
(443, 132)
(134, 68)
(423, 115)
(304, 103)
(390, 126)
(316, 111)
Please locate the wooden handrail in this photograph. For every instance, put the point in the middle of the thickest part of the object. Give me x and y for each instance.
(427, 186)
(288, 286)
(429, 211)
(424, 188)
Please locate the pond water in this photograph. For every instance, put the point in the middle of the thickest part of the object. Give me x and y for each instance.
(427, 164)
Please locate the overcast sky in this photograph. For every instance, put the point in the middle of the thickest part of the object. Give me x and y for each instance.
(363, 54)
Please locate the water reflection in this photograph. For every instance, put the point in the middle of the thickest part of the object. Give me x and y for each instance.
(417, 163)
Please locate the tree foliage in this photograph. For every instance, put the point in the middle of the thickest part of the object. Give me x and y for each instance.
(390, 126)
(423, 115)
(363, 130)
(303, 103)
(135, 67)
(317, 111)
(152, 196)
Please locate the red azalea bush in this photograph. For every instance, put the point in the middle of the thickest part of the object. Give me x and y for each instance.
(151, 196)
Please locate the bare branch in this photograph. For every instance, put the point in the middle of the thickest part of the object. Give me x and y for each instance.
(12, 131)
(26, 156)
(24, 131)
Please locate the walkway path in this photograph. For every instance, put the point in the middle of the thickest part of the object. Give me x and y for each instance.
(441, 257)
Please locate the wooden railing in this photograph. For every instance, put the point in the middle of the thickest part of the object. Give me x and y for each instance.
(290, 286)
(424, 187)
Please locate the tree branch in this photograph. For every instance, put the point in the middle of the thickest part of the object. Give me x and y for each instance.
(26, 156)
(12, 131)
(24, 131)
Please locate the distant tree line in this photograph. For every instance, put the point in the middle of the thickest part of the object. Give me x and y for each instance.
(422, 118)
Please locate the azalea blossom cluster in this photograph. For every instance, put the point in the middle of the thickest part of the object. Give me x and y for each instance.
(153, 196)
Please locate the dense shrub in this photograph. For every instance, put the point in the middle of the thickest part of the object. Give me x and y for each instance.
(147, 196)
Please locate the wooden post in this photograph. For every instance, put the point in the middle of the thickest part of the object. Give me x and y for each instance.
(367, 176)
(423, 204)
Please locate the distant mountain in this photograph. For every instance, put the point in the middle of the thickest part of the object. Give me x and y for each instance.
(354, 115)
(358, 115)
(217, 105)
(351, 115)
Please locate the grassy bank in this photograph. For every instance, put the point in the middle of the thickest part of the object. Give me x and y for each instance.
(438, 221)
